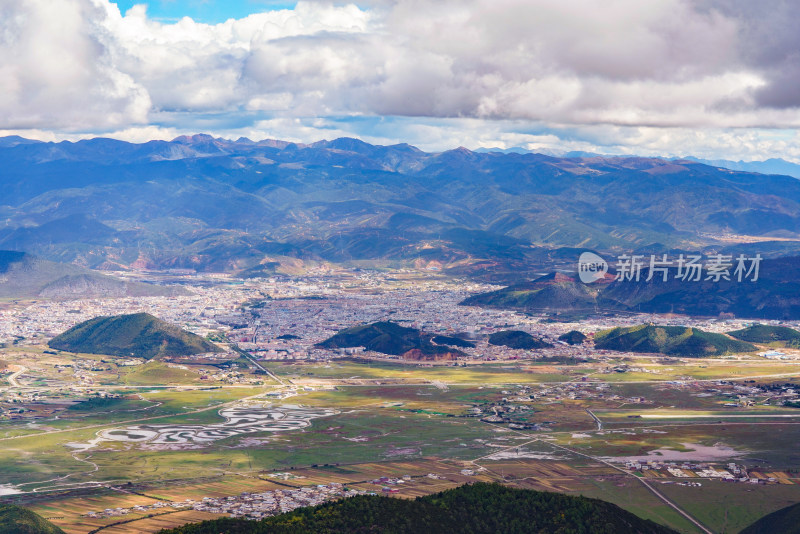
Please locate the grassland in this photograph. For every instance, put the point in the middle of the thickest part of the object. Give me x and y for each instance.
(634, 497)
(730, 507)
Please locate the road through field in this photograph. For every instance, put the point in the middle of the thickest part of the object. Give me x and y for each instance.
(653, 490)
(12, 378)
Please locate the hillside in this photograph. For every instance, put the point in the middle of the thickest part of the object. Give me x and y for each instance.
(783, 521)
(25, 276)
(472, 509)
(573, 337)
(18, 520)
(139, 335)
(775, 295)
(390, 338)
(760, 333)
(670, 340)
(517, 339)
(554, 292)
(214, 204)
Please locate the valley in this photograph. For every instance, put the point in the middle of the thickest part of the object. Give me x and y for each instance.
(399, 267)
(104, 443)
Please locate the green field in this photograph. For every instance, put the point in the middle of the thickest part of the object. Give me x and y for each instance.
(728, 508)
(473, 374)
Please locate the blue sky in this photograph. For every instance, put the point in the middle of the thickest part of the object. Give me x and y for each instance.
(206, 11)
(702, 78)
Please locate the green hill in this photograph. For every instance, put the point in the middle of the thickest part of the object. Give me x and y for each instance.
(573, 337)
(671, 340)
(517, 339)
(761, 333)
(472, 509)
(140, 335)
(784, 521)
(387, 337)
(18, 520)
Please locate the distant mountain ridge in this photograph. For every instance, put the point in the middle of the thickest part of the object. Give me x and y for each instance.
(25, 276)
(770, 166)
(211, 204)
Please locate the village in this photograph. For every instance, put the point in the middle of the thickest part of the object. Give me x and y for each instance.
(247, 505)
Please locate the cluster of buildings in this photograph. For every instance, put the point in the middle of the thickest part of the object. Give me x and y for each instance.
(283, 317)
(268, 503)
(732, 472)
(246, 505)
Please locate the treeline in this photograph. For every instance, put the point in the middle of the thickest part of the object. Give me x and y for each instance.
(472, 509)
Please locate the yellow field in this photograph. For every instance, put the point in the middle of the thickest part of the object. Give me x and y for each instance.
(226, 486)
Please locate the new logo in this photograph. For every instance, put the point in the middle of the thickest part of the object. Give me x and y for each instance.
(591, 267)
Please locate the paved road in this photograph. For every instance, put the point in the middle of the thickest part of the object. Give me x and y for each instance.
(596, 420)
(643, 481)
(262, 368)
(653, 490)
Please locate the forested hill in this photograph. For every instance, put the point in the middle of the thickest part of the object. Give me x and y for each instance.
(472, 509)
(784, 521)
(18, 520)
(670, 340)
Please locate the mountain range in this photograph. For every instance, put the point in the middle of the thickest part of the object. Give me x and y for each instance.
(768, 166)
(212, 204)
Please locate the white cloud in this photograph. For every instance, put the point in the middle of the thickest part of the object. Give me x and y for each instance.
(655, 70)
(56, 71)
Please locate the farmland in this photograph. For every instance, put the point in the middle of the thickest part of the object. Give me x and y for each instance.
(568, 430)
(124, 445)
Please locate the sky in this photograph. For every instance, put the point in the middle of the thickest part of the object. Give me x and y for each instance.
(714, 79)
